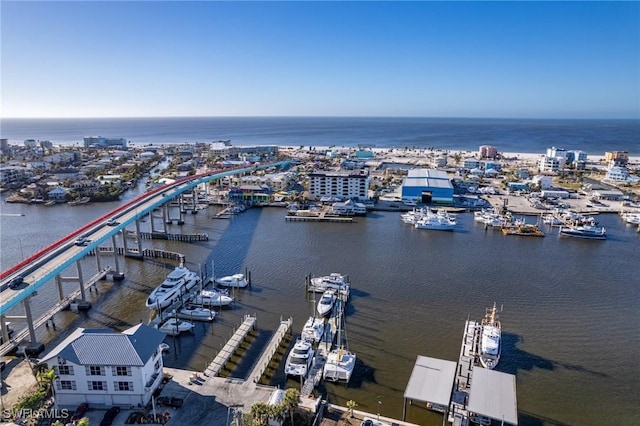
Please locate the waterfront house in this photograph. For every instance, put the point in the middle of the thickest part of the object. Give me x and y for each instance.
(58, 193)
(106, 368)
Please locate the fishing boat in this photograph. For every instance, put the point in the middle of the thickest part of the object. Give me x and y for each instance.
(587, 232)
(209, 298)
(490, 341)
(326, 302)
(313, 329)
(299, 359)
(178, 282)
(236, 280)
(525, 230)
(195, 313)
(175, 326)
(332, 281)
(340, 361)
(441, 221)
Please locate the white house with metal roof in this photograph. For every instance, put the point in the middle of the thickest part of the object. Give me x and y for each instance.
(107, 368)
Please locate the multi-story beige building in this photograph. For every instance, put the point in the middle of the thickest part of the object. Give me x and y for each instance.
(340, 183)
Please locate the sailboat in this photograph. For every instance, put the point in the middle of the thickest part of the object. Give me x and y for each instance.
(340, 361)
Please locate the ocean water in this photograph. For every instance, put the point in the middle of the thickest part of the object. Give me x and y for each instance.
(508, 135)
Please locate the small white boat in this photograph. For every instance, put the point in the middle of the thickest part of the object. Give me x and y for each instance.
(313, 329)
(178, 282)
(195, 313)
(175, 326)
(441, 221)
(326, 302)
(209, 298)
(299, 359)
(490, 341)
(236, 280)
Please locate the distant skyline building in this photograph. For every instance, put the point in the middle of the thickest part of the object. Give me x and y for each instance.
(487, 151)
(617, 158)
(102, 142)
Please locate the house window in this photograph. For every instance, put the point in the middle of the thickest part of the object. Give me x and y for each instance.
(121, 371)
(123, 386)
(66, 384)
(97, 386)
(64, 370)
(95, 370)
(157, 366)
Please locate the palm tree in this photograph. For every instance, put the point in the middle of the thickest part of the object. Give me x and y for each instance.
(291, 401)
(260, 412)
(351, 404)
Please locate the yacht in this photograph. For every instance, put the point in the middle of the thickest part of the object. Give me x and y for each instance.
(326, 302)
(313, 329)
(587, 232)
(175, 326)
(440, 221)
(210, 298)
(236, 280)
(340, 361)
(195, 313)
(490, 341)
(333, 281)
(299, 359)
(179, 281)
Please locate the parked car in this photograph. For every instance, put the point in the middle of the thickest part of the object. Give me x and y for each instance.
(170, 401)
(109, 416)
(80, 412)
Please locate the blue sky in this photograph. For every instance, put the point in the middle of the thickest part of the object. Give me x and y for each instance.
(428, 59)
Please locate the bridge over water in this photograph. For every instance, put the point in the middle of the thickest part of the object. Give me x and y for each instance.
(49, 263)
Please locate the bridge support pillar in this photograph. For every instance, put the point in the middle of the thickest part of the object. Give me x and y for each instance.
(3, 327)
(117, 275)
(59, 284)
(81, 282)
(98, 263)
(193, 201)
(34, 347)
(166, 216)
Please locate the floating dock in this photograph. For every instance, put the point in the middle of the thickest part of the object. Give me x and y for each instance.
(312, 216)
(263, 362)
(231, 347)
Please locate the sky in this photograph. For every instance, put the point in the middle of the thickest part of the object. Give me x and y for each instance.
(416, 59)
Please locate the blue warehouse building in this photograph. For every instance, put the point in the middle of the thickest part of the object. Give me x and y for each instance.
(427, 186)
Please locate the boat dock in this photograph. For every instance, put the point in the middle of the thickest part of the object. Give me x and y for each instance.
(313, 216)
(260, 367)
(464, 371)
(231, 347)
(324, 347)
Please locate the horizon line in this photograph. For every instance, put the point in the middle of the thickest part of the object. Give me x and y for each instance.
(316, 116)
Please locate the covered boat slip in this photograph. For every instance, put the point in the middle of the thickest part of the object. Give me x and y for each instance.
(492, 394)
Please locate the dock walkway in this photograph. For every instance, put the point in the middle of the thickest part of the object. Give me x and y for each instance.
(231, 347)
(466, 362)
(270, 350)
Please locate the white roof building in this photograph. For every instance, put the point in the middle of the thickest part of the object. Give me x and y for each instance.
(107, 368)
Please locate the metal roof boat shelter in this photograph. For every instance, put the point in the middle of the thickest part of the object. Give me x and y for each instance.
(431, 381)
(493, 394)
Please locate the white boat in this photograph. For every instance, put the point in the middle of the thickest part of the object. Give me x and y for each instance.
(163, 347)
(175, 326)
(340, 361)
(178, 282)
(332, 281)
(313, 329)
(440, 221)
(299, 359)
(326, 302)
(210, 298)
(587, 232)
(195, 313)
(236, 280)
(491, 339)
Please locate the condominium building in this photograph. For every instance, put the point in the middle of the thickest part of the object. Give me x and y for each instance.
(340, 183)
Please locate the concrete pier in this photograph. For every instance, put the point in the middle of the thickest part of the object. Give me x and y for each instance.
(231, 347)
(260, 367)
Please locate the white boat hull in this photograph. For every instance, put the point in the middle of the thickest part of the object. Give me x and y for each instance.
(236, 281)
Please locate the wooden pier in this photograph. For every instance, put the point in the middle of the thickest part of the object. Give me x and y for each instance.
(260, 367)
(133, 252)
(231, 347)
(174, 237)
(320, 217)
(463, 377)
